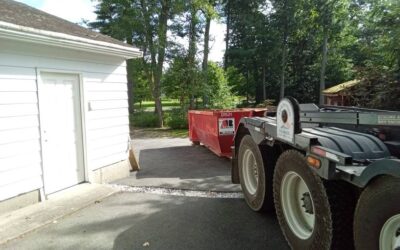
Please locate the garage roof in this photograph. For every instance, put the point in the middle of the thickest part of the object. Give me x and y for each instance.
(37, 21)
(342, 86)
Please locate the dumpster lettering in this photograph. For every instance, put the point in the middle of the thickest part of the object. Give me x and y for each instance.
(226, 114)
(226, 126)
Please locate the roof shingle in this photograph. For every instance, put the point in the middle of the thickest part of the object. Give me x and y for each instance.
(24, 15)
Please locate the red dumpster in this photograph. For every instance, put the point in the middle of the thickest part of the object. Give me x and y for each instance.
(216, 128)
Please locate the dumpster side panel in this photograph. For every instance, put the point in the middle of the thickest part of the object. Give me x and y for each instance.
(192, 132)
(216, 129)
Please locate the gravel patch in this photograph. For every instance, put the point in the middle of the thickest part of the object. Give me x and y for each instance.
(178, 192)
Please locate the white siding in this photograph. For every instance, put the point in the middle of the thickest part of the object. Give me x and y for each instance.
(105, 109)
(20, 160)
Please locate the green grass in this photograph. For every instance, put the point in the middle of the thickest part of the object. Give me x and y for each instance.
(181, 133)
(159, 133)
(173, 119)
(150, 104)
(144, 117)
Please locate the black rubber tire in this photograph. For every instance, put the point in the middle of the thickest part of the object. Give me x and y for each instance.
(262, 200)
(379, 201)
(333, 201)
(195, 143)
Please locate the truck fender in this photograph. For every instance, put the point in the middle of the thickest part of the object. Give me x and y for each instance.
(381, 167)
(240, 132)
(244, 128)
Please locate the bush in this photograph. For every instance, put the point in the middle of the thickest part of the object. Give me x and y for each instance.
(176, 119)
(144, 120)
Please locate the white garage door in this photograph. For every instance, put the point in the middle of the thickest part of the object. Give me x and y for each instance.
(61, 129)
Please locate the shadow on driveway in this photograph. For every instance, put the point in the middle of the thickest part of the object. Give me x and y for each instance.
(129, 220)
(175, 163)
(203, 224)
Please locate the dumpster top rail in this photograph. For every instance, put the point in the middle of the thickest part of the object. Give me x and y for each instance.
(226, 111)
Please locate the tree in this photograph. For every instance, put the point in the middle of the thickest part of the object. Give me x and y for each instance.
(192, 51)
(209, 13)
(273, 48)
(285, 12)
(155, 33)
(252, 46)
(236, 80)
(140, 81)
(217, 87)
(176, 83)
(378, 54)
(145, 24)
(112, 20)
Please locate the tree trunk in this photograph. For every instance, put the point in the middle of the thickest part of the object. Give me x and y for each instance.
(131, 84)
(263, 83)
(228, 26)
(258, 83)
(206, 44)
(284, 47)
(192, 54)
(205, 54)
(283, 69)
(162, 44)
(157, 55)
(247, 87)
(323, 68)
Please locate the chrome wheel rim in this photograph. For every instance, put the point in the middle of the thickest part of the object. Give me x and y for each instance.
(250, 171)
(297, 205)
(390, 234)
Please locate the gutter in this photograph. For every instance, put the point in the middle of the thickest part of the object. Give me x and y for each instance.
(50, 38)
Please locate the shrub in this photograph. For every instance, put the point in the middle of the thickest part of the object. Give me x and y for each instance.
(176, 119)
(144, 120)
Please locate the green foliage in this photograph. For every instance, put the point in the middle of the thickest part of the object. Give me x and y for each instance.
(175, 81)
(236, 80)
(268, 42)
(145, 24)
(141, 86)
(144, 119)
(378, 89)
(176, 119)
(217, 90)
(284, 38)
(377, 54)
(212, 87)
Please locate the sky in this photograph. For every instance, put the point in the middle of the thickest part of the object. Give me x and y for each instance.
(77, 10)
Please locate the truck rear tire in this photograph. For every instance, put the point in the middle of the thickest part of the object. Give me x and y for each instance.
(377, 216)
(312, 214)
(255, 178)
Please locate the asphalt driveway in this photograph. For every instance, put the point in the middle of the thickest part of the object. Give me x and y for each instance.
(188, 217)
(176, 163)
(145, 221)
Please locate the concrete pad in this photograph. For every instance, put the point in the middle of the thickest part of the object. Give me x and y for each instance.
(144, 221)
(176, 163)
(59, 205)
(19, 201)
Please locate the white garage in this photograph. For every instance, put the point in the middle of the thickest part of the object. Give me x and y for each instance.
(63, 105)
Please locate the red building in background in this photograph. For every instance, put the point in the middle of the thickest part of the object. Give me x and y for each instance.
(338, 95)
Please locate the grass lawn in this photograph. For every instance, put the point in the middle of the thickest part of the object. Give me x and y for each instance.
(145, 117)
(140, 133)
(150, 104)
